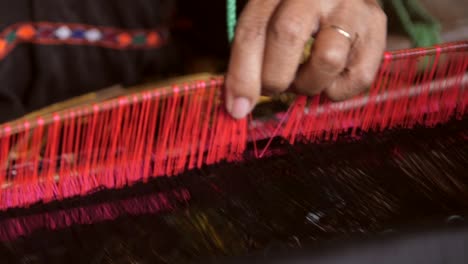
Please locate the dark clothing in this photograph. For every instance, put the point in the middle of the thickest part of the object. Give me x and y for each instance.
(34, 75)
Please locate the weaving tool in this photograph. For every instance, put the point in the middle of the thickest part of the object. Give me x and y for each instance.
(118, 176)
(170, 130)
(179, 233)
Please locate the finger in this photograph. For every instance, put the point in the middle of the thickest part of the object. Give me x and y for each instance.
(243, 79)
(289, 30)
(329, 54)
(365, 61)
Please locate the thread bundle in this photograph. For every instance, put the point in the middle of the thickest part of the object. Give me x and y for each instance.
(165, 132)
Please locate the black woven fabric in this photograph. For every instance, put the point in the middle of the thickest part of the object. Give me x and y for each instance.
(304, 195)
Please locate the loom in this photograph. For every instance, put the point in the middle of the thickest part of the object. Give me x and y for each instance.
(168, 131)
(161, 174)
(74, 165)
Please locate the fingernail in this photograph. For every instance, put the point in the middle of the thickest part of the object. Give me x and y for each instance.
(240, 108)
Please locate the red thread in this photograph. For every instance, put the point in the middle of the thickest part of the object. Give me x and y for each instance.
(14, 228)
(166, 132)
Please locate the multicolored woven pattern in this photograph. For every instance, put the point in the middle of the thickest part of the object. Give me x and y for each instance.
(44, 33)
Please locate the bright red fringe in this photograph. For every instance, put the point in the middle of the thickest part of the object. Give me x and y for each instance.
(164, 132)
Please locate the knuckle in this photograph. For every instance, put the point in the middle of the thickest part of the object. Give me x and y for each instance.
(365, 78)
(378, 16)
(373, 5)
(335, 95)
(275, 85)
(347, 90)
(304, 85)
(307, 90)
(291, 30)
(381, 16)
(331, 60)
(249, 31)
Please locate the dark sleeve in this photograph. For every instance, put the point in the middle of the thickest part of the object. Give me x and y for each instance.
(35, 74)
(16, 67)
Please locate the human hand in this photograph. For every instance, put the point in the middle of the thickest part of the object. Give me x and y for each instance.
(350, 37)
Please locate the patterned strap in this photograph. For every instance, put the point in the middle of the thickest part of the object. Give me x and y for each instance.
(79, 34)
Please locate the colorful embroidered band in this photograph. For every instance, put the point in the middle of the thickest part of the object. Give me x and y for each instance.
(44, 33)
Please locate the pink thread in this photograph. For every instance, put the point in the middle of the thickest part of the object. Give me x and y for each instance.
(132, 139)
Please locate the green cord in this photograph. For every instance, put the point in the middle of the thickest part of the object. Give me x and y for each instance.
(417, 23)
(231, 7)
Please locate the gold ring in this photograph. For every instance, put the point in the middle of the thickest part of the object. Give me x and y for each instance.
(342, 32)
(308, 46)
